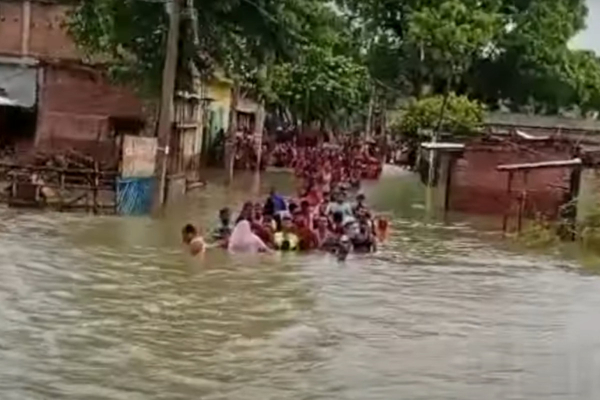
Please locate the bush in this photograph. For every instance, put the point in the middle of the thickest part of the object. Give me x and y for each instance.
(462, 116)
(590, 231)
(541, 233)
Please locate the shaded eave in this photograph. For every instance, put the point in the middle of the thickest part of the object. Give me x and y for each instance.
(443, 146)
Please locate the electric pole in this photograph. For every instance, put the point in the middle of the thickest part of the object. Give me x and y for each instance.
(166, 102)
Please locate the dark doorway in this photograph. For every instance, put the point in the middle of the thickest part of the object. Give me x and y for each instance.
(17, 130)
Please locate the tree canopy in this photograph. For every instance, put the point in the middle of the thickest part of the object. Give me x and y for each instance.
(462, 117)
(322, 85)
(319, 60)
(233, 34)
(511, 52)
(289, 52)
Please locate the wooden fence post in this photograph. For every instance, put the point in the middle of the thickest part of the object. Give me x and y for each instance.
(508, 201)
(95, 189)
(522, 201)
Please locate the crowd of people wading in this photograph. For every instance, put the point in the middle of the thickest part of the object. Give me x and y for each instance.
(329, 213)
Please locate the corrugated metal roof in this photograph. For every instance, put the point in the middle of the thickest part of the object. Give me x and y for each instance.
(5, 101)
(442, 146)
(541, 121)
(18, 85)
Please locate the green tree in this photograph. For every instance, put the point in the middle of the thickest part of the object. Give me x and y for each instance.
(321, 86)
(261, 44)
(236, 34)
(533, 66)
(462, 117)
(525, 59)
(584, 71)
(448, 38)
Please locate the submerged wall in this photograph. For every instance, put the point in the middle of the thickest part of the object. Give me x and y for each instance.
(478, 187)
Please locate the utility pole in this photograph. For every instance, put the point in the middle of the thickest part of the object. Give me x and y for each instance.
(432, 152)
(434, 138)
(166, 102)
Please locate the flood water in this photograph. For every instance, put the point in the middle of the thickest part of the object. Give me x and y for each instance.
(110, 308)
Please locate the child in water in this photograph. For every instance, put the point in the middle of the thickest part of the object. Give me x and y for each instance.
(383, 229)
(193, 240)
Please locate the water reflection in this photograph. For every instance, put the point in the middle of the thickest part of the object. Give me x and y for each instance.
(111, 308)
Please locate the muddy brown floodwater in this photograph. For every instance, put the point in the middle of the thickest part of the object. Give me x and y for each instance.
(109, 308)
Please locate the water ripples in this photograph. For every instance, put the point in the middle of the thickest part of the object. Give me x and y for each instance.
(110, 308)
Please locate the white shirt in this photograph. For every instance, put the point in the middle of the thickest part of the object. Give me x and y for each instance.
(344, 208)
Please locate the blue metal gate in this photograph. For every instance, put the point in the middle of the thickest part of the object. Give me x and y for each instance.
(134, 195)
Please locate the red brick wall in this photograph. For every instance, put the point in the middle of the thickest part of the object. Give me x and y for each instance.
(88, 134)
(10, 28)
(81, 91)
(478, 187)
(74, 110)
(48, 38)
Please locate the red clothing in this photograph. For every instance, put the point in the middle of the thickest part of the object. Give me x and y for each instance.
(308, 239)
(314, 198)
(263, 233)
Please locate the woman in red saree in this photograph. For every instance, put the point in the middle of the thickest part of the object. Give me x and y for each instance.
(308, 239)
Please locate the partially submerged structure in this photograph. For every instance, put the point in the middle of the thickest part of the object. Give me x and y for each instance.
(218, 92)
(519, 202)
(59, 113)
(517, 176)
(444, 156)
(62, 123)
(478, 186)
(53, 101)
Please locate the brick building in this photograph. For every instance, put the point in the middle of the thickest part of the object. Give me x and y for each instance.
(52, 99)
(476, 185)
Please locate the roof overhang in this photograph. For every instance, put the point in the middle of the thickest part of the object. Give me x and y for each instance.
(527, 136)
(18, 85)
(5, 101)
(442, 146)
(540, 165)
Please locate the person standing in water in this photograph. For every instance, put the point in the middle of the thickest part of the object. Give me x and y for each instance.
(222, 233)
(286, 239)
(340, 205)
(279, 203)
(193, 240)
(360, 204)
(246, 213)
(244, 241)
